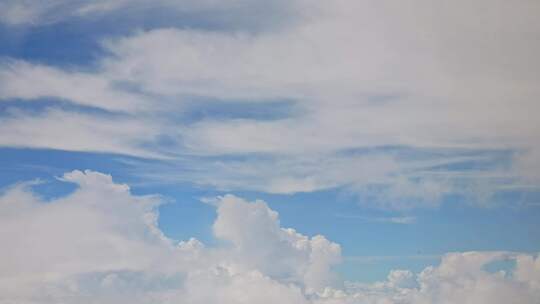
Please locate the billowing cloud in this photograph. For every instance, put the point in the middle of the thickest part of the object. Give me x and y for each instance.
(262, 244)
(102, 239)
(460, 278)
(102, 244)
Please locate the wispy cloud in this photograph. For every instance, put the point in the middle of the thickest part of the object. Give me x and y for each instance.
(394, 220)
(383, 258)
(337, 71)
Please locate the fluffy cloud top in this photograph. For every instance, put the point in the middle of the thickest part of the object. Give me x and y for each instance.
(101, 244)
(101, 234)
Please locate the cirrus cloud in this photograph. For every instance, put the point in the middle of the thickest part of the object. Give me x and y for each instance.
(362, 75)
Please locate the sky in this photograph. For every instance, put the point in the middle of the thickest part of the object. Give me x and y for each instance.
(250, 151)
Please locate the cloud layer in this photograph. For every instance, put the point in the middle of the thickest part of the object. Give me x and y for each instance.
(457, 80)
(101, 244)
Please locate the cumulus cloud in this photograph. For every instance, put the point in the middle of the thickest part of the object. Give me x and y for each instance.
(95, 229)
(262, 244)
(102, 244)
(101, 239)
(460, 278)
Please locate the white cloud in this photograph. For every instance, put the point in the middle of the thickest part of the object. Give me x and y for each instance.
(405, 220)
(23, 12)
(95, 229)
(454, 85)
(460, 278)
(101, 239)
(64, 130)
(364, 74)
(101, 243)
(260, 243)
(81, 88)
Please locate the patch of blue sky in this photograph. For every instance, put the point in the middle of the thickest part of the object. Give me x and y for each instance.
(505, 266)
(518, 197)
(185, 216)
(19, 164)
(40, 105)
(194, 109)
(60, 44)
(66, 41)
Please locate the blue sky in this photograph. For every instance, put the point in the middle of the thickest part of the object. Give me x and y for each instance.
(407, 135)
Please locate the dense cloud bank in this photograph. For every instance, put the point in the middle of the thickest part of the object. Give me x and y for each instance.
(101, 244)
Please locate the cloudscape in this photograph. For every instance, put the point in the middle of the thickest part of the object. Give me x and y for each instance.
(269, 151)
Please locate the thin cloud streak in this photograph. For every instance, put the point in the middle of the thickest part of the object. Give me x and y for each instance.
(406, 220)
(383, 258)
